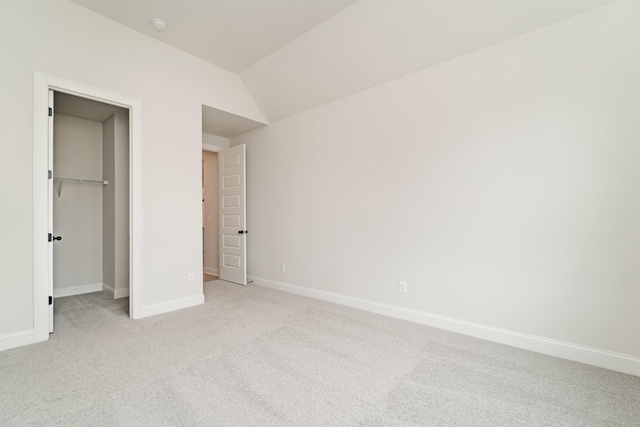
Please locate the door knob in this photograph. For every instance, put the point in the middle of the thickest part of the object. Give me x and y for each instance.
(243, 231)
(57, 237)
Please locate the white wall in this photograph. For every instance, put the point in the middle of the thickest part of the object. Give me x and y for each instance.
(77, 213)
(502, 186)
(116, 204)
(108, 204)
(60, 38)
(121, 183)
(210, 223)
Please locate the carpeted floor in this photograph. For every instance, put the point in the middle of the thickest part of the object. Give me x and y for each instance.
(255, 356)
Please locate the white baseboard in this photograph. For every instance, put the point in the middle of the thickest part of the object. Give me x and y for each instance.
(108, 288)
(212, 271)
(565, 350)
(165, 307)
(16, 339)
(115, 293)
(77, 290)
(121, 293)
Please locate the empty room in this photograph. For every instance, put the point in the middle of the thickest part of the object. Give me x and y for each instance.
(320, 212)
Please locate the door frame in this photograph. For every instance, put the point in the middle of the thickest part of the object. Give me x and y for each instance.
(41, 209)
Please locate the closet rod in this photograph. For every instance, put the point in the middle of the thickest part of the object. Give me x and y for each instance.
(81, 180)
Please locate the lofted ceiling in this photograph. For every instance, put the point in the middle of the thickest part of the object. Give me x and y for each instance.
(232, 34)
(293, 55)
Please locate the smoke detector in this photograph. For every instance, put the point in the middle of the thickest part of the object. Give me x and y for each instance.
(159, 24)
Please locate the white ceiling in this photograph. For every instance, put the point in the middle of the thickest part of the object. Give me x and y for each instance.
(375, 41)
(227, 125)
(83, 108)
(232, 34)
(293, 55)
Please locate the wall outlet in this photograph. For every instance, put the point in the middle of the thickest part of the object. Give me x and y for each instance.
(283, 268)
(191, 278)
(402, 287)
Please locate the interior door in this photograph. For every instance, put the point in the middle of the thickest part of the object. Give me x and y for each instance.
(50, 209)
(232, 218)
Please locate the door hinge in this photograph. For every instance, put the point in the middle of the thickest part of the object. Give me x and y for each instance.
(50, 237)
(50, 174)
(50, 112)
(50, 300)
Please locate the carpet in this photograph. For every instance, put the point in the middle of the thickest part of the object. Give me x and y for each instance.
(256, 356)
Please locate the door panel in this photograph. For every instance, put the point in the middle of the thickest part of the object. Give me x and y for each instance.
(233, 251)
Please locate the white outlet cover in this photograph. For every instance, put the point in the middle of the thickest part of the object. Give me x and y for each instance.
(402, 287)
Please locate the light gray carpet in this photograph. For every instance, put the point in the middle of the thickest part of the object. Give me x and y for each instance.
(254, 356)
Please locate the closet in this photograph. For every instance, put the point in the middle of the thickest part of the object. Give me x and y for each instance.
(90, 197)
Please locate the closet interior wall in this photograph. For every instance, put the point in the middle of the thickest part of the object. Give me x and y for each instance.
(115, 200)
(77, 208)
(92, 219)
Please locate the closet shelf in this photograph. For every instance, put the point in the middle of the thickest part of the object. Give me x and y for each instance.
(78, 180)
(81, 180)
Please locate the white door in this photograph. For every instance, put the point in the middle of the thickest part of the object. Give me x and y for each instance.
(232, 218)
(50, 210)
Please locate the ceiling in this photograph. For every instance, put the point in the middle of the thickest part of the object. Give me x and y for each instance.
(227, 125)
(232, 34)
(376, 41)
(83, 108)
(294, 55)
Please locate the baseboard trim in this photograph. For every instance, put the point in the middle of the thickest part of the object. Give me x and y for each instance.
(121, 293)
(108, 288)
(77, 290)
(592, 356)
(115, 293)
(16, 339)
(212, 271)
(165, 307)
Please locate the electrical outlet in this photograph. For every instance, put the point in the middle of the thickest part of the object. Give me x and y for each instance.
(191, 278)
(283, 268)
(402, 287)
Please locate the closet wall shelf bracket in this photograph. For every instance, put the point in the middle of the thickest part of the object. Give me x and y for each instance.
(77, 180)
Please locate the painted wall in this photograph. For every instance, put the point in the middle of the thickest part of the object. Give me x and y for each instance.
(210, 211)
(77, 213)
(502, 186)
(60, 38)
(108, 205)
(116, 204)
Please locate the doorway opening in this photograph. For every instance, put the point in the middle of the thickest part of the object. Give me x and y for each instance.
(210, 237)
(90, 203)
(88, 182)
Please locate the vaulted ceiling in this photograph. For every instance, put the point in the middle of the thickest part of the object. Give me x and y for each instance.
(293, 55)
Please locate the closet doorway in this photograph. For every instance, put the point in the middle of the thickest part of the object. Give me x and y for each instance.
(46, 189)
(90, 198)
(210, 238)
